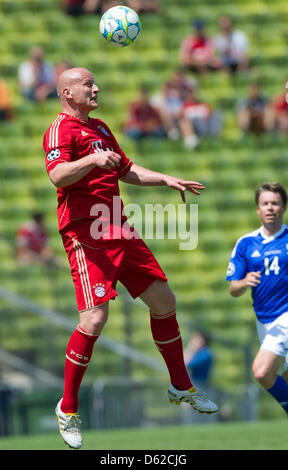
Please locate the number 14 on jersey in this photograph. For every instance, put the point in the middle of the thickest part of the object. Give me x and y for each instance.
(273, 266)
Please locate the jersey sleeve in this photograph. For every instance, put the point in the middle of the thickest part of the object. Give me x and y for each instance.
(237, 267)
(57, 145)
(125, 163)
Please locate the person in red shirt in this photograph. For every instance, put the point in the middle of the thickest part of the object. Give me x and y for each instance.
(280, 109)
(6, 111)
(80, 7)
(197, 50)
(32, 241)
(197, 119)
(85, 163)
(144, 120)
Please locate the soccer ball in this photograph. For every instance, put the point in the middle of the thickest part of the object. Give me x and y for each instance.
(120, 26)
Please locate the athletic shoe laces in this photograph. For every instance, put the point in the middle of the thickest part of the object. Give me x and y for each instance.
(200, 394)
(71, 424)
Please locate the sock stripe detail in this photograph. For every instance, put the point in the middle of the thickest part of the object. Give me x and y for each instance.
(85, 332)
(76, 362)
(163, 315)
(168, 341)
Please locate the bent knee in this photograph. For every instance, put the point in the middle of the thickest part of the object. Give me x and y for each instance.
(171, 301)
(159, 297)
(94, 320)
(263, 376)
(166, 303)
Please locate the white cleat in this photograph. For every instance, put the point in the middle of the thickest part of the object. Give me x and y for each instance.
(69, 427)
(195, 398)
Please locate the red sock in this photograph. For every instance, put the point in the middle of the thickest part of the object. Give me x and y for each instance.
(167, 337)
(78, 355)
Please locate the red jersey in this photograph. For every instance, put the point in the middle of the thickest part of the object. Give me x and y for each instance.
(143, 113)
(280, 104)
(31, 236)
(199, 110)
(68, 139)
(198, 46)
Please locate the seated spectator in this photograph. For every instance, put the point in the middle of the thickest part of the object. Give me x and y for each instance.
(197, 119)
(231, 47)
(80, 7)
(170, 100)
(280, 107)
(199, 359)
(64, 64)
(5, 101)
(182, 82)
(144, 120)
(144, 6)
(32, 242)
(197, 50)
(254, 113)
(36, 77)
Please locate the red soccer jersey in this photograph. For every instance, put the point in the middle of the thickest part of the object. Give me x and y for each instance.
(69, 139)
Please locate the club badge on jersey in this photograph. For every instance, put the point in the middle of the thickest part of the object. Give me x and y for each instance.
(100, 289)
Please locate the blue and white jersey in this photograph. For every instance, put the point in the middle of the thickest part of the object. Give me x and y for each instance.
(269, 255)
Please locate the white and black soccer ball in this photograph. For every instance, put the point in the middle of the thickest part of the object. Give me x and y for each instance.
(120, 26)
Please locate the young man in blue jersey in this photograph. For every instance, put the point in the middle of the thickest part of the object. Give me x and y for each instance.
(259, 261)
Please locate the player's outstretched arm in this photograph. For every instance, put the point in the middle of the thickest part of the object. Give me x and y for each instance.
(238, 288)
(139, 175)
(68, 173)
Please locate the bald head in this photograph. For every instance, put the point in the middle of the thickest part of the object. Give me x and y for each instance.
(69, 78)
(78, 92)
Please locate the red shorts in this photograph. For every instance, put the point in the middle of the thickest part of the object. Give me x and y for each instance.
(97, 265)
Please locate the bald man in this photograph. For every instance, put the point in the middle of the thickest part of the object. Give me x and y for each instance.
(85, 163)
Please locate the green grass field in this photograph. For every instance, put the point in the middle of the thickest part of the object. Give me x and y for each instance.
(261, 435)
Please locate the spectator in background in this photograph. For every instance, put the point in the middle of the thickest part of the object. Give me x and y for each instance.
(231, 47)
(80, 7)
(5, 101)
(280, 108)
(199, 358)
(170, 100)
(144, 120)
(254, 113)
(64, 64)
(182, 83)
(36, 77)
(144, 6)
(197, 119)
(197, 50)
(32, 241)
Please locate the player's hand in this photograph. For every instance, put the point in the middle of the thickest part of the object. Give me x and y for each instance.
(253, 279)
(183, 185)
(107, 160)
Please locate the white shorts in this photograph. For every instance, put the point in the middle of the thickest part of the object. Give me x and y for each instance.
(274, 336)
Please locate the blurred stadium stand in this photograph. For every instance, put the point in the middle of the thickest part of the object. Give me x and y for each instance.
(230, 168)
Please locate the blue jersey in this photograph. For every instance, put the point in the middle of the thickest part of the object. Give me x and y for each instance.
(269, 255)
